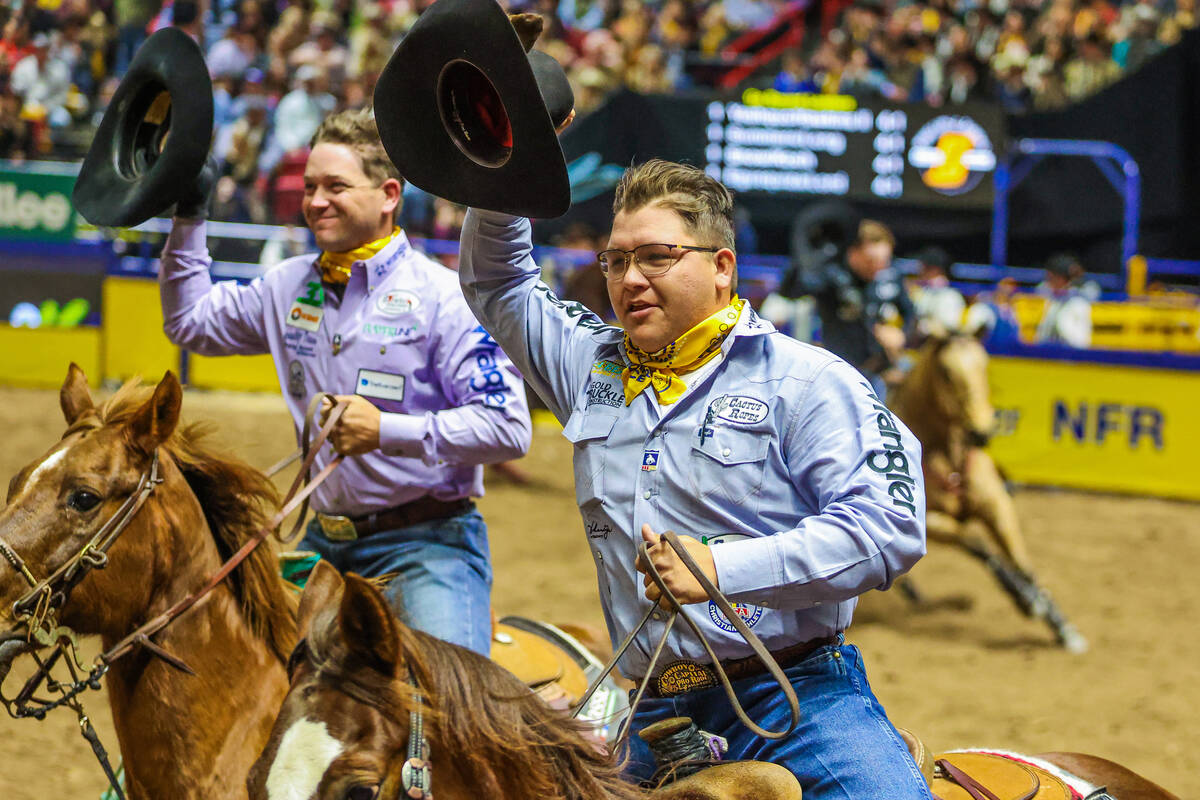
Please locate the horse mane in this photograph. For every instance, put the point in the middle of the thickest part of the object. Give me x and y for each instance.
(506, 740)
(237, 500)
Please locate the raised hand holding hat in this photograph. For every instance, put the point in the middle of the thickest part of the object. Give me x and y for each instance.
(466, 114)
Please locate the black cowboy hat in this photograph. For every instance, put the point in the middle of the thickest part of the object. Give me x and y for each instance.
(154, 137)
(464, 113)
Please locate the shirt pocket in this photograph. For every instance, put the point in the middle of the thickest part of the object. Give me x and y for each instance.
(589, 431)
(729, 466)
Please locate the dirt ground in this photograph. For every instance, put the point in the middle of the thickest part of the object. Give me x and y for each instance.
(1123, 569)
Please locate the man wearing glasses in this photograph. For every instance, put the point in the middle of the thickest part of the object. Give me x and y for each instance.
(432, 397)
(794, 488)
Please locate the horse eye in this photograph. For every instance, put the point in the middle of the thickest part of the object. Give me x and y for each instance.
(83, 500)
(362, 793)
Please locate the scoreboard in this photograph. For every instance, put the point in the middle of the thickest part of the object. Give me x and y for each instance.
(772, 143)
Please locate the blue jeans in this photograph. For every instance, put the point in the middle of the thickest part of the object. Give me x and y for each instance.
(444, 580)
(844, 746)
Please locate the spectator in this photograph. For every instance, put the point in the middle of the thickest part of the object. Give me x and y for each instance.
(1142, 43)
(302, 109)
(43, 82)
(991, 316)
(131, 17)
(1067, 318)
(16, 134)
(1011, 92)
(323, 51)
(1091, 70)
(937, 304)
(793, 74)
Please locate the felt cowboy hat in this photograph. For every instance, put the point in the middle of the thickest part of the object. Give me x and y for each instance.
(466, 114)
(153, 139)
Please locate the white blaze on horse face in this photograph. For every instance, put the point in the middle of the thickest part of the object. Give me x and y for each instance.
(43, 468)
(304, 754)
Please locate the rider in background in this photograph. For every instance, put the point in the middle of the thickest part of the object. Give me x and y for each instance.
(794, 488)
(937, 304)
(371, 320)
(863, 305)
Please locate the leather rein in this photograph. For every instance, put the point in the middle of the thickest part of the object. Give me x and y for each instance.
(676, 611)
(38, 609)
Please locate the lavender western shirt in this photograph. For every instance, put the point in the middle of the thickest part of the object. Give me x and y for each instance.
(401, 336)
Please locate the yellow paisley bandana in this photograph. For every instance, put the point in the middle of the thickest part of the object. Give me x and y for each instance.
(686, 354)
(335, 267)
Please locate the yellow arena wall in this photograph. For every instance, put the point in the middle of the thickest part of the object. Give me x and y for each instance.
(1091, 426)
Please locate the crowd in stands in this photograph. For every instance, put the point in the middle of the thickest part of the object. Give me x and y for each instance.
(279, 66)
(1023, 54)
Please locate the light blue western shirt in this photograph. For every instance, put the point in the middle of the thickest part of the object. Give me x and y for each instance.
(807, 489)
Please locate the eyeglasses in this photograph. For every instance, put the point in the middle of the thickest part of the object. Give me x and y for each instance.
(652, 259)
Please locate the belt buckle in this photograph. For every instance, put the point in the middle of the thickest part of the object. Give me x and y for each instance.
(337, 528)
(681, 677)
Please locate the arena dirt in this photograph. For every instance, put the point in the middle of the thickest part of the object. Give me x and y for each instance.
(1122, 568)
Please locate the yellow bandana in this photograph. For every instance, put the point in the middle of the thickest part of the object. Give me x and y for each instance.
(686, 354)
(335, 267)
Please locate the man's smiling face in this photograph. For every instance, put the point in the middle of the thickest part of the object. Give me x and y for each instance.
(655, 311)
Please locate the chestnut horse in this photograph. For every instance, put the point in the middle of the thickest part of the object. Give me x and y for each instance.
(181, 736)
(945, 402)
(361, 682)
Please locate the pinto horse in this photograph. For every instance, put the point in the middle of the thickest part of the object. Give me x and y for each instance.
(372, 701)
(182, 736)
(945, 402)
(362, 682)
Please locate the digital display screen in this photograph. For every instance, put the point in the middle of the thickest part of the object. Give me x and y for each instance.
(836, 145)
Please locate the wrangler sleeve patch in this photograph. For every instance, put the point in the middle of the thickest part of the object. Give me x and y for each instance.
(892, 462)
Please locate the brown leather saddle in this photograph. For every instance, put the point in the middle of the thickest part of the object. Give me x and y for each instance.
(984, 776)
(539, 663)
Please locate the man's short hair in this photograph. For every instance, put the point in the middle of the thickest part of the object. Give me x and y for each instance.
(356, 129)
(872, 231)
(704, 203)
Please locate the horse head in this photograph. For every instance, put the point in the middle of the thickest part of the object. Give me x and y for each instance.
(83, 485)
(360, 679)
(958, 381)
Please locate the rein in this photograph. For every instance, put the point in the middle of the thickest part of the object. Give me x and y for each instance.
(38, 609)
(676, 611)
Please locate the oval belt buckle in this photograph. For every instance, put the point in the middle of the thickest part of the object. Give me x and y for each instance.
(681, 677)
(337, 528)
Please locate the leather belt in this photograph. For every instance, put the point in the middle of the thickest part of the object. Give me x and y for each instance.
(681, 677)
(340, 528)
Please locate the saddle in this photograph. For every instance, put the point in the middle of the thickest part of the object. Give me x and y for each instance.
(984, 776)
(525, 648)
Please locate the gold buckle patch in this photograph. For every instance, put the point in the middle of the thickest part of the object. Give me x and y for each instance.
(685, 676)
(337, 528)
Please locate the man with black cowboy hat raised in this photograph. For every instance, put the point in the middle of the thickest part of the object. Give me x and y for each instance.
(369, 319)
(793, 486)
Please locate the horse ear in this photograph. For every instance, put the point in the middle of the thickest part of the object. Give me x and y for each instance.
(369, 629)
(155, 421)
(74, 396)
(322, 586)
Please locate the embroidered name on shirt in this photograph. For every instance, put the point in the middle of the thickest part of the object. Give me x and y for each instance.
(596, 530)
(740, 410)
(606, 367)
(488, 379)
(605, 394)
(892, 462)
(377, 329)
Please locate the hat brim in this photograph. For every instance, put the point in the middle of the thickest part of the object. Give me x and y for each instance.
(457, 37)
(154, 137)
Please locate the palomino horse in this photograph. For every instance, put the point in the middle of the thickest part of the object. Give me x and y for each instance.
(945, 402)
(363, 682)
(182, 736)
(377, 711)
